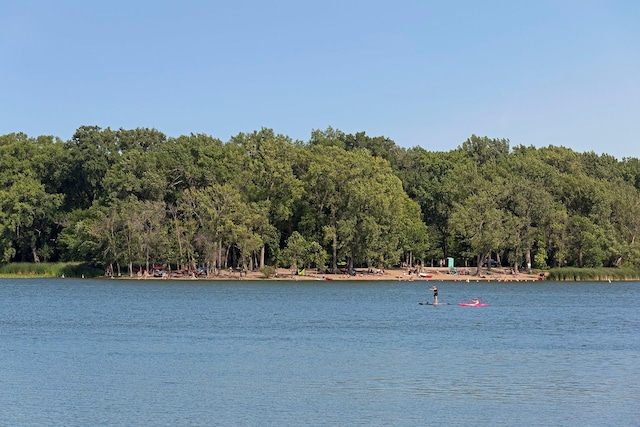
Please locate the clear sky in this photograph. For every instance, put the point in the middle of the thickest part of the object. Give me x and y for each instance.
(423, 73)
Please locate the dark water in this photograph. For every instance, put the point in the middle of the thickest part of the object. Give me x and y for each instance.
(101, 352)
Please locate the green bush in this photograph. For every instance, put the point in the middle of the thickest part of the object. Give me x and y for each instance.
(268, 271)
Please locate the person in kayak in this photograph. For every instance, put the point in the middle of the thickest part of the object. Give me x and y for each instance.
(476, 301)
(435, 294)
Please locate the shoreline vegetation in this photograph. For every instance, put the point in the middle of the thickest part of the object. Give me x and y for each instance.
(120, 199)
(461, 274)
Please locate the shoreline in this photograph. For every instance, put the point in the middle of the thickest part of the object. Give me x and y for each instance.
(429, 274)
(435, 274)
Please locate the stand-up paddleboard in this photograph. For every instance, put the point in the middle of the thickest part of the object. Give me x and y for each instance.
(430, 303)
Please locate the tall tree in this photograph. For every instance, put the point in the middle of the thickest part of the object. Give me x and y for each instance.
(437, 181)
(481, 221)
(268, 177)
(357, 205)
(29, 215)
(483, 150)
(91, 152)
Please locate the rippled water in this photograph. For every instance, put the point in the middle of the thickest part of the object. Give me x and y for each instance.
(117, 352)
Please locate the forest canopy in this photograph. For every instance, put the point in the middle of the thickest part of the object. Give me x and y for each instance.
(130, 199)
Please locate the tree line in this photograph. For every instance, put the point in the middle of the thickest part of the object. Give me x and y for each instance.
(135, 199)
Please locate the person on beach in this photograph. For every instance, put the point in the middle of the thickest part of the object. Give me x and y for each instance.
(435, 294)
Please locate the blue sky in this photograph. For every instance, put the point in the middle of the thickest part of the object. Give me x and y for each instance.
(423, 73)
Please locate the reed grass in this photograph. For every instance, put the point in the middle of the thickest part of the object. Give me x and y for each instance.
(49, 269)
(593, 274)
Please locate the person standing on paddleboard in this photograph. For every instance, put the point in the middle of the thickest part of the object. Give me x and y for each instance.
(435, 294)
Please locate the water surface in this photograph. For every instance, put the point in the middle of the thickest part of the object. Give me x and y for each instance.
(118, 352)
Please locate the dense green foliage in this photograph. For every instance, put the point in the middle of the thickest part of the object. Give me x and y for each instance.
(129, 199)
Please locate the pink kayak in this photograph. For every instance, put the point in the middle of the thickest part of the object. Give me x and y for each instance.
(473, 304)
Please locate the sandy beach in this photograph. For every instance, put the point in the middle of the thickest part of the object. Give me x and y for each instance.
(499, 274)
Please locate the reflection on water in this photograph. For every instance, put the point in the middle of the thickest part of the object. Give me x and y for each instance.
(101, 352)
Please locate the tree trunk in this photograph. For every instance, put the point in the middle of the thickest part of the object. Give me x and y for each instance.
(445, 245)
(180, 256)
(580, 258)
(334, 262)
(262, 251)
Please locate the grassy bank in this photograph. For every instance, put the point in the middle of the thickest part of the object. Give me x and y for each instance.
(593, 274)
(49, 269)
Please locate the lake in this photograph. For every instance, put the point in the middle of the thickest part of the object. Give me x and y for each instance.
(200, 353)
